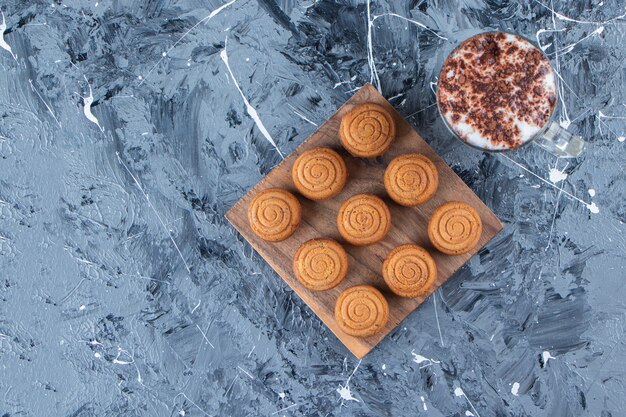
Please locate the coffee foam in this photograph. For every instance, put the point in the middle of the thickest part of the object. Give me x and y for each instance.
(496, 91)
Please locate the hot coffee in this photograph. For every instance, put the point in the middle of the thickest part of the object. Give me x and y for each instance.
(496, 91)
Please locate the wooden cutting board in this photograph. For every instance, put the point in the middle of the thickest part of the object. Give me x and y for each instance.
(319, 220)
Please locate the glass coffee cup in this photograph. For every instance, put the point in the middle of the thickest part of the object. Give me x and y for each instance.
(497, 92)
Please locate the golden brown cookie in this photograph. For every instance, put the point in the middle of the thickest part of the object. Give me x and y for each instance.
(361, 311)
(411, 179)
(363, 219)
(320, 264)
(409, 271)
(454, 228)
(367, 130)
(274, 214)
(319, 173)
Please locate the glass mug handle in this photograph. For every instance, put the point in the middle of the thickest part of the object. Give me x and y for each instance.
(559, 141)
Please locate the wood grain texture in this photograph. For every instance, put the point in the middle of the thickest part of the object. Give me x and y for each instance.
(409, 224)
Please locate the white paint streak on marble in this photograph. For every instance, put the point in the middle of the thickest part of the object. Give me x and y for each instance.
(370, 51)
(545, 181)
(561, 16)
(139, 379)
(421, 110)
(3, 44)
(592, 192)
(458, 391)
(245, 372)
(282, 395)
(546, 356)
(556, 205)
(423, 403)
(415, 22)
(196, 307)
(433, 87)
(621, 138)
(208, 17)
(395, 97)
(119, 361)
(569, 48)
(251, 110)
(344, 390)
(303, 117)
(87, 102)
(284, 409)
(556, 175)
(73, 290)
(231, 385)
(541, 31)
(340, 83)
(206, 339)
(419, 359)
(468, 413)
(437, 320)
(193, 403)
(44, 102)
(515, 389)
(593, 208)
(564, 119)
(147, 197)
(36, 24)
(604, 116)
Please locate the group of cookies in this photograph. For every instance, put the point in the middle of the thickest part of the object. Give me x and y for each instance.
(363, 219)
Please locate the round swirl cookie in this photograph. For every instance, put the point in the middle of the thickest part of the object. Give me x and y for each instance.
(320, 264)
(274, 214)
(363, 219)
(411, 179)
(361, 311)
(319, 173)
(409, 271)
(454, 228)
(367, 130)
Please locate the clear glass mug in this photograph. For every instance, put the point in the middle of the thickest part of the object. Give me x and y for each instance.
(551, 136)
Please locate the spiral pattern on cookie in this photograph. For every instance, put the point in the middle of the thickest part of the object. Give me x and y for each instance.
(409, 271)
(454, 228)
(361, 311)
(320, 264)
(363, 219)
(367, 130)
(274, 214)
(411, 179)
(319, 173)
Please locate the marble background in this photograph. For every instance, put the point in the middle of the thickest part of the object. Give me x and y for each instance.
(128, 128)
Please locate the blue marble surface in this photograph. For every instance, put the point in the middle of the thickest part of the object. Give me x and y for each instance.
(127, 130)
